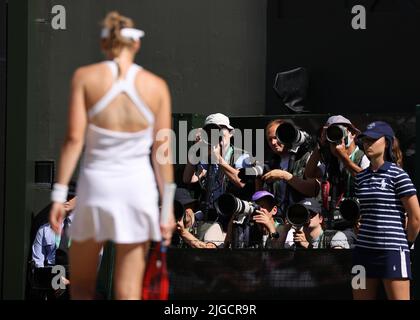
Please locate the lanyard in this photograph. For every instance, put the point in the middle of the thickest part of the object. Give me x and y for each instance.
(228, 154)
(58, 239)
(317, 240)
(349, 176)
(214, 182)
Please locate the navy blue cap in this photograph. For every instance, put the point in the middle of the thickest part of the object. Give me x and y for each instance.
(183, 196)
(311, 204)
(378, 129)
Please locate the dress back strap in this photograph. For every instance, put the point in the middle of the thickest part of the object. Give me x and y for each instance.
(126, 85)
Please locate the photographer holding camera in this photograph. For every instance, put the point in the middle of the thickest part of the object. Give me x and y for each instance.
(184, 210)
(191, 230)
(334, 163)
(291, 149)
(252, 224)
(220, 173)
(304, 222)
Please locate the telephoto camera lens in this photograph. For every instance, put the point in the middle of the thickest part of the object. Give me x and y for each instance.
(251, 173)
(297, 215)
(228, 204)
(287, 133)
(350, 209)
(291, 136)
(335, 134)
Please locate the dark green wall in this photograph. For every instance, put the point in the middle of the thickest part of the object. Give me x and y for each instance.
(375, 70)
(17, 181)
(212, 54)
(3, 38)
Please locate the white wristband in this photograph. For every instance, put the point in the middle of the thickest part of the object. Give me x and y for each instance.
(59, 193)
(167, 201)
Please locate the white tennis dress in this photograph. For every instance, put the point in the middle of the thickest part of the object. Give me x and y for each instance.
(117, 198)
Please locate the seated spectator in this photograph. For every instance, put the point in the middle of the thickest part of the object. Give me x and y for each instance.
(47, 243)
(312, 235)
(49, 249)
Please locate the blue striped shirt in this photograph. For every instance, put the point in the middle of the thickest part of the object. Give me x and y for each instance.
(45, 244)
(381, 210)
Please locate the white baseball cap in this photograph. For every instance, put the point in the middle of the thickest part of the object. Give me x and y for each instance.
(339, 119)
(218, 118)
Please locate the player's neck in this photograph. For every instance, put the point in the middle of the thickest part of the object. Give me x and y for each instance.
(125, 59)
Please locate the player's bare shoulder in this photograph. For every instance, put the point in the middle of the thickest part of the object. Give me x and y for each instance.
(153, 89)
(90, 72)
(151, 82)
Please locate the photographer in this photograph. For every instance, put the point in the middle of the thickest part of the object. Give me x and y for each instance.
(251, 224)
(308, 233)
(191, 231)
(291, 149)
(184, 210)
(342, 148)
(220, 173)
(334, 163)
(350, 222)
(214, 239)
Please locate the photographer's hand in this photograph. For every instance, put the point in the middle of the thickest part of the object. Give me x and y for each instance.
(277, 174)
(263, 217)
(190, 239)
(217, 154)
(188, 219)
(198, 135)
(300, 239)
(340, 151)
(231, 172)
(180, 228)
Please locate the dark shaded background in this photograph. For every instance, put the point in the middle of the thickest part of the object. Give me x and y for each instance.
(350, 71)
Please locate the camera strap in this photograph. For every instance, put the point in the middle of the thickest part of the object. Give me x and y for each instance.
(356, 157)
(216, 179)
(325, 192)
(329, 191)
(286, 198)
